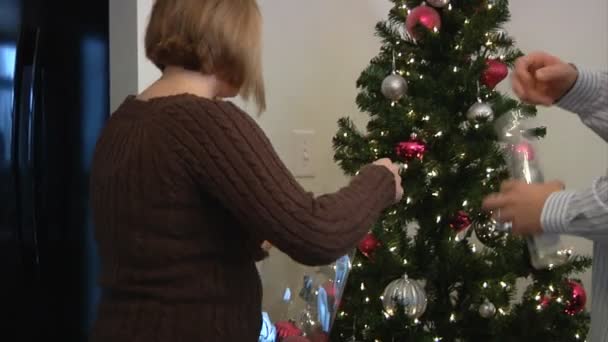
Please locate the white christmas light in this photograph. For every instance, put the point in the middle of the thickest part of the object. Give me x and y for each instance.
(399, 54)
(455, 69)
(438, 134)
(392, 249)
(405, 261)
(421, 77)
(551, 288)
(465, 203)
(412, 60)
(537, 297)
(435, 194)
(485, 285)
(502, 312)
(437, 339)
(393, 104)
(435, 29)
(466, 21)
(539, 307)
(503, 284)
(577, 336)
(359, 264)
(433, 173)
(381, 297)
(408, 200)
(449, 7)
(438, 219)
(345, 134)
(416, 321)
(490, 6)
(426, 118)
(452, 318)
(473, 248)
(559, 299)
(367, 299)
(362, 287)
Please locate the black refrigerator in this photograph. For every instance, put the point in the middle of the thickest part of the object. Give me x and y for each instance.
(54, 101)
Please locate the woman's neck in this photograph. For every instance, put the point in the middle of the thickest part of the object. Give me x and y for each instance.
(176, 80)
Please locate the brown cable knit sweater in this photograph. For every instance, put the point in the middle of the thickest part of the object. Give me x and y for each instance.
(184, 191)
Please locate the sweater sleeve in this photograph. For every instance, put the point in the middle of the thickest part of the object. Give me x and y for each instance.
(236, 163)
(585, 212)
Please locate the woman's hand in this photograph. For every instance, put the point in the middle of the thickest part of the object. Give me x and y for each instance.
(394, 169)
(540, 78)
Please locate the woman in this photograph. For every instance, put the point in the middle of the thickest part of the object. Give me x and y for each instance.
(186, 187)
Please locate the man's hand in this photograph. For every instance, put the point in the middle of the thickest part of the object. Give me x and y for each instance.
(521, 204)
(540, 78)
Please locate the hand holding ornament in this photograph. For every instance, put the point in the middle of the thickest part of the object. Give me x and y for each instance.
(394, 169)
(522, 204)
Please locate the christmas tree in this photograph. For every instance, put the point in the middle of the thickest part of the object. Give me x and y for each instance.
(436, 267)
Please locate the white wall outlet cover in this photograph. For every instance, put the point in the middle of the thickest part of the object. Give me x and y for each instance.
(303, 141)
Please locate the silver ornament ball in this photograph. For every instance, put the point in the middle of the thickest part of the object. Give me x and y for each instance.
(394, 87)
(480, 111)
(438, 3)
(487, 233)
(487, 310)
(406, 293)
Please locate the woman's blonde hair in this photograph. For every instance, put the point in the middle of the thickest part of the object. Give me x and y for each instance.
(214, 37)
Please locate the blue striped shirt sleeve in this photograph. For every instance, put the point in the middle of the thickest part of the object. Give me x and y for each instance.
(585, 212)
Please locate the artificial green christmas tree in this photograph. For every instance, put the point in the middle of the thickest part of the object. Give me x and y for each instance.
(435, 267)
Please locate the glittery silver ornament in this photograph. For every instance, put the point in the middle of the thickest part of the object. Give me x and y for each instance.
(406, 293)
(394, 87)
(487, 233)
(480, 111)
(306, 320)
(487, 309)
(438, 3)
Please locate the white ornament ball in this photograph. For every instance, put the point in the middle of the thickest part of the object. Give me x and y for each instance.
(406, 293)
(487, 310)
(394, 87)
(480, 111)
(438, 3)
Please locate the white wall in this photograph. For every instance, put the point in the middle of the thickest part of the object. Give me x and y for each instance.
(315, 50)
(123, 51)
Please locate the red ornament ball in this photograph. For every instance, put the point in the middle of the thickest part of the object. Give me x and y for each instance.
(495, 72)
(413, 148)
(576, 304)
(287, 329)
(525, 150)
(461, 222)
(422, 15)
(545, 301)
(369, 245)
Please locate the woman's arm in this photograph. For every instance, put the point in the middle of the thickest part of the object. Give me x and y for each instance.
(236, 163)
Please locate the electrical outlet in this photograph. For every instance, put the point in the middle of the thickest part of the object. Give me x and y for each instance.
(303, 142)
